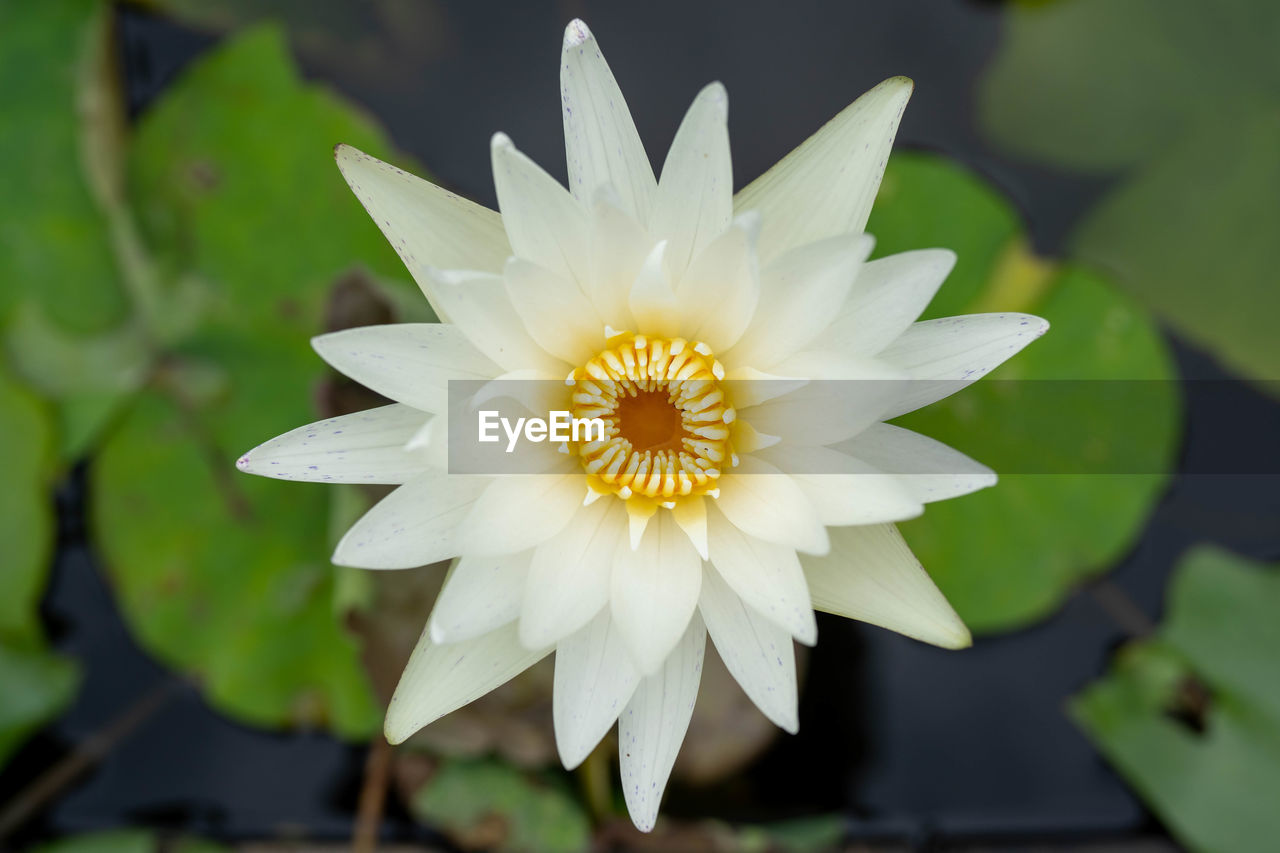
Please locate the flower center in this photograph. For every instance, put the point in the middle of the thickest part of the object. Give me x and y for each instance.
(667, 423)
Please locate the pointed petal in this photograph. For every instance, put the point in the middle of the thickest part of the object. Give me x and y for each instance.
(478, 304)
(947, 354)
(411, 363)
(887, 297)
(557, 314)
(544, 223)
(619, 246)
(570, 574)
(655, 591)
(694, 204)
(413, 526)
(930, 470)
(766, 576)
(691, 514)
(718, 294)
(600, 138)
(758, 497)
(827, 185)
(652, 301)
(442, 678)
(755, 651)
(479, 595)
(427, 226)
(520, 511)
(363, 447)
(831, 409)
(843, 490)
(871, 575)
(800, 293)
(595, 679)
(654, 724)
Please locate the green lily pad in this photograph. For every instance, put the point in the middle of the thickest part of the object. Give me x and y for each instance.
(35, 684)
(493, 806)
(219, 574)
(1182, 99)
(1007, 556)
(1191, 717)
(55, 248)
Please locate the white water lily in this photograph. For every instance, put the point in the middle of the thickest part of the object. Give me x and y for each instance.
(652, 296)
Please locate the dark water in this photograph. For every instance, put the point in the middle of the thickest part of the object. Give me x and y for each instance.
(912, 743)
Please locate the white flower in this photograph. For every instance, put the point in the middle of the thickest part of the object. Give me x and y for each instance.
(666, 290)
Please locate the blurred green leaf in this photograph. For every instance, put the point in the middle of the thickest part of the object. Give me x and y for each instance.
(115, 841)
(34, 683)
(490, 805)
(1191, 717)
(55, 248)
(1189, 112)
(223, 575)
(1006, 556)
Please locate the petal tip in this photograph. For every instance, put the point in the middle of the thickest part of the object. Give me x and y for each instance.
(576, 33)
(500, 142)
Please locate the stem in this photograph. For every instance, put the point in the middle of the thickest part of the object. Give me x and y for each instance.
(85, 755)
(593, 775)
(1117, 604)
(373, 797)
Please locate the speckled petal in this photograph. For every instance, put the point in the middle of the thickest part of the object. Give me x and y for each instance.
(654, 724)
(942, 356)
(443, 678)
(363, 447)
(411, 363)
(600, 138)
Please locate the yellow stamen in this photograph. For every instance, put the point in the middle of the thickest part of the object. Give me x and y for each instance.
(666, 417)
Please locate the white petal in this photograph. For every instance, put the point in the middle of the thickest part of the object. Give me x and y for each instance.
(600, 138)
(544, 223)
(427, 226)
(843, 490)
(619, 246)
(718, 294)
(691, 514)
(570, 576)
(411, 363)
(652, 301)
(756, 652)
(759, 498)
(595, 678)
(478, 304)
(557, 314)
(887, 297)
(520, 511)
(694, 204)
(766, 576)
(800, 294)
(825, 411)
(413, 526)
(871, 575)
(442, 678)
(654, 724)
(945, 355)
(654, 591)
(363, 447)
(827, 185)
(930, 470)
(479, 595)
